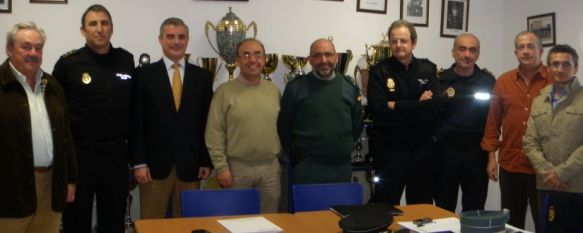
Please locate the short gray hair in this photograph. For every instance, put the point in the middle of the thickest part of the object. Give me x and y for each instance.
(28, 25)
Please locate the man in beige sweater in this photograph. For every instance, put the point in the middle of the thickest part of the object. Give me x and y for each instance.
(241, 133)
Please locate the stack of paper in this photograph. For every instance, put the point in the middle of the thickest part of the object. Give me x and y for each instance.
(250, 225)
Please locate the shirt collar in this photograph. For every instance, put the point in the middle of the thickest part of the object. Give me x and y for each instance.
(541, 72)
(169, 63)
(22, 78)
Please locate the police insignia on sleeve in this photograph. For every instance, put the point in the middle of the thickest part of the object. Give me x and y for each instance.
(552, 213)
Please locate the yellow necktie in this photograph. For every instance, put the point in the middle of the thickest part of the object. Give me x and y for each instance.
(176, 85)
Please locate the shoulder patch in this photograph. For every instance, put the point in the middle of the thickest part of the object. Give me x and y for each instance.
(488, 72)
(440, 72)
(68, 54)
(350, 80)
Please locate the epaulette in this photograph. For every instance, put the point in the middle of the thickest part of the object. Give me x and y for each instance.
(68, 54)
(440, 72)
(488, 72)
(426, 60)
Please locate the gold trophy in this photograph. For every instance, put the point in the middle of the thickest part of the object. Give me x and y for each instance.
(230, 31)
(210, 64)
(270, 65)
(377, 52)
(295, 63)
(343, 61)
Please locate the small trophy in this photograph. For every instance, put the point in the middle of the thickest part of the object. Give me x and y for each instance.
(270, 65)
(230, 31)
(295, 63)
(144, 59)
(377, 52)
(210, 64)
(343, 61)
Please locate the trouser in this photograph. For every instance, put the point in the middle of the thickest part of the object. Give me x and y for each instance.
(516, 191)
(44, 219)
(465, 168)
(266, 177)
(310, 171)
(154, 196)
(103, 175)
(403, 166)
(561, 212)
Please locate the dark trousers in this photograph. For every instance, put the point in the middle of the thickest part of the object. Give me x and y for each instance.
(517, 190)
(561, 212)
(103, 173)
(402, 167)
(461, 167)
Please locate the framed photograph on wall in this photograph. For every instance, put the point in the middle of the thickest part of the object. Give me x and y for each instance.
(544, 27)
(372, 6)
(454, 17)
(49, 1)
(416, 12)
(5, 6)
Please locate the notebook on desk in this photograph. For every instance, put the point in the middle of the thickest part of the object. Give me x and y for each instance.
(345, 210)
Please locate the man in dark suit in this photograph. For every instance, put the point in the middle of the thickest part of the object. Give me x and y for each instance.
(172, 98)
(38, 170)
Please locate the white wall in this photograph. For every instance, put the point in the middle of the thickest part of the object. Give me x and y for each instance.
(285, 26)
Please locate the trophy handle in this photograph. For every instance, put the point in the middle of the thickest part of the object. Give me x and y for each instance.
(206, 32)
(218, 68)
(198, 61)
(254, 26)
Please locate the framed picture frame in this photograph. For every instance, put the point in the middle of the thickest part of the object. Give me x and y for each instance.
(544, 26)
(454, 17)
(415, 12)
(372, 6)
(5, 6)
(49, 1)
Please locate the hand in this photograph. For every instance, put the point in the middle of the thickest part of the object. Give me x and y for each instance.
(204, 172)
(225, 179)
(552, 180)
(391, 104)
(427, 95)
(71, 192)
(142, 175)
(492, 167)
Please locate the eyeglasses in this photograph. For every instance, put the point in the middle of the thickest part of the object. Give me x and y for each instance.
(564, 64)
(326, 55)
(248, 56)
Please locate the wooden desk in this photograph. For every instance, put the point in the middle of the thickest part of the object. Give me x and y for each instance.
(303, 222)
(286, 221)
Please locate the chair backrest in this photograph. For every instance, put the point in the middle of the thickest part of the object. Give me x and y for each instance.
(199, 203)
(312, 197)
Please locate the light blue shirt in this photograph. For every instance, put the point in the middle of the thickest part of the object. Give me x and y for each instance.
(40, 125)
(168, 63)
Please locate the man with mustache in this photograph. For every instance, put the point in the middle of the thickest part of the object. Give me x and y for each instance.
(241, 132)
(171, 103)
(402, 98)
(460, 162)
(38, 171)
(97, 82)
(320, 119)
(512, 98)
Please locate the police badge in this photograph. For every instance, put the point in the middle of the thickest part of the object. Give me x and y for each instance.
(450, 92)
(391, 84)
(85, 78)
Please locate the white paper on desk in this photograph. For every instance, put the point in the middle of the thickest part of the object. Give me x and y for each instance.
(250, 225)
(447, 225)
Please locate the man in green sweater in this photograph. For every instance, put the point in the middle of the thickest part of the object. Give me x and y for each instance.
(320, 119)
(241, 133)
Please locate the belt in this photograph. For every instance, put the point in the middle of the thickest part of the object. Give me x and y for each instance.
(43, 169)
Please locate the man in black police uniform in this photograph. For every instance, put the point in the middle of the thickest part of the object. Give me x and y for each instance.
(402, 95)
(97, 82)
(460, 160)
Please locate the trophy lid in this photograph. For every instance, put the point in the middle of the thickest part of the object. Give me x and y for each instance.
(231, 22)
(384, 42)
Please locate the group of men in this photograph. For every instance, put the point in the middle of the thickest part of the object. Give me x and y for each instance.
(72, 136)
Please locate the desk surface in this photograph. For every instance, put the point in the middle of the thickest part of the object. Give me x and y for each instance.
(303, 222)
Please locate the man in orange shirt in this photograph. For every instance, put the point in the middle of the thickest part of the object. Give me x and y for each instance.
(513, 94)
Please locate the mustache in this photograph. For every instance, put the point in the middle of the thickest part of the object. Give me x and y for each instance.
(32, 59)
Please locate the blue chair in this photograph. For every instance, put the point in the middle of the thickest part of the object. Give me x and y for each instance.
(200, 203)
(312, 197)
